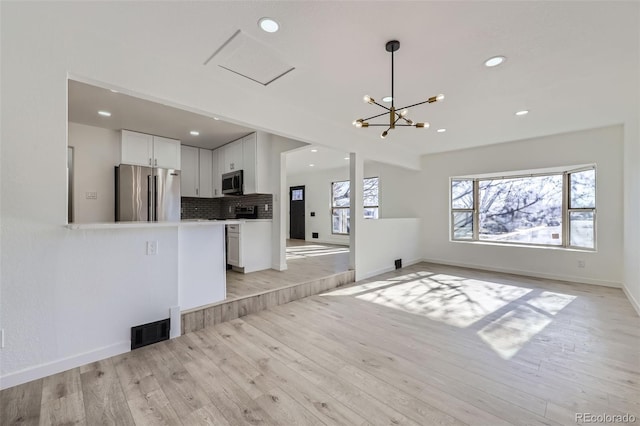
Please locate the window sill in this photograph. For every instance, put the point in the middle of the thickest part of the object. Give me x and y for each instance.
(530, 246)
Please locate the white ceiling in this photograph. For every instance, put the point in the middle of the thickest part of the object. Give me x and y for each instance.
(301, 159)
(573, 65)
(140, 115)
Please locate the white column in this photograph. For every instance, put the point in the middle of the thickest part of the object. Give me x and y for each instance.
(280, 200)
(356, 175)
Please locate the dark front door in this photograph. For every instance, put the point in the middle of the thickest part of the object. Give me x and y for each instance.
(296, 212)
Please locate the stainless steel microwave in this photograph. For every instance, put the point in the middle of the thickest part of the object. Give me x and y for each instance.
(232, 183)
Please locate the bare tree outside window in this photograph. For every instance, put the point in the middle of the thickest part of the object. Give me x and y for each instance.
(340, 203)
(526, 209)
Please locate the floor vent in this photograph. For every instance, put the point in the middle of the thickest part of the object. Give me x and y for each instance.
(146, 334)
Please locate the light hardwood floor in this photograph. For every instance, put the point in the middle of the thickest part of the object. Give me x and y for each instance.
(306, 261)
(425, 345)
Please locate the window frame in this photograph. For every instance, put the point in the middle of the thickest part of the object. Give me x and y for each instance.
(565, 212)
(333, 207)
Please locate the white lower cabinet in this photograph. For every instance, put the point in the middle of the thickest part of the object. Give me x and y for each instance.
(249, 245)
(234, 246)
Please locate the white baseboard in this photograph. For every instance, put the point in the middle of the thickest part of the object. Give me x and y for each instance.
(536, 274)
(47, 369)
(370, 274)
(632, 300)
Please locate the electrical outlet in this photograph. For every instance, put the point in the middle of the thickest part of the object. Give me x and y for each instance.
(581, 264)
(152, 248)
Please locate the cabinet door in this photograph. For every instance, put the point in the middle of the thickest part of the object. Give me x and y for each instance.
(233, 156)
(206, 165)
(249, 148)
(233, 253)
(166, 153)
(189, 175)
(216, 175)
(136, 148)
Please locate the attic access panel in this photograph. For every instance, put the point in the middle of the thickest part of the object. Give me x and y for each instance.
(250, 58)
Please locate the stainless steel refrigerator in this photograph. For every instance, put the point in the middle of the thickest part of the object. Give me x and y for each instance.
(147, 194)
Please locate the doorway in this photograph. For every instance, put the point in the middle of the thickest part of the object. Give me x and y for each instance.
(296, 213)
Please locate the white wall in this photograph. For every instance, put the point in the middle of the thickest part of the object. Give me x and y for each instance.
(384, 241)
(601, 146)
(96, 151)
(632, 212)
(317, 185)
(278, 180)
(397, 197)
(71, 296)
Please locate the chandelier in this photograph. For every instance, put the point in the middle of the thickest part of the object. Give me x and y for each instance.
(397, 116)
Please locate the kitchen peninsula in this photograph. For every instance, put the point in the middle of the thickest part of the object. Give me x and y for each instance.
(196, 246)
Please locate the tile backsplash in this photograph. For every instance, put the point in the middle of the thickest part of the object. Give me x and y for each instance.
(218, 208)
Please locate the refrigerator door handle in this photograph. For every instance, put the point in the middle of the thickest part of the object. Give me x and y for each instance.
(149, 189)
(155, 197)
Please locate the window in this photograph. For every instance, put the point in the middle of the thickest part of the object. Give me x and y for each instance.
(340, 203)
(550, 209)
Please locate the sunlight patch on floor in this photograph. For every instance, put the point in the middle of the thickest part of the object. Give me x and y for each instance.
(457, 301)
(509, 333)
(300, 252)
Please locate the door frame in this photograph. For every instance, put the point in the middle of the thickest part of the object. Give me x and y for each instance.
(304, 213)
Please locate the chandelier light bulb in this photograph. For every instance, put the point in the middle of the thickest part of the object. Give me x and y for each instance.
(395, 117)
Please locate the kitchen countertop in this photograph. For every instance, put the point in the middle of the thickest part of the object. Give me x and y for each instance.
(185, 222)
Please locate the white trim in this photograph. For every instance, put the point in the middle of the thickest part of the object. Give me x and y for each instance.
(568, 278)
(370, 274)
(49, 368)
(632, 299)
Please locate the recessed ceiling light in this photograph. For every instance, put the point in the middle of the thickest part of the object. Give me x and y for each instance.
(269, 25)
(346, 158)
(523, 112)
(114, 91)
(216, 118)
(441, 130)
(495, 61)
(311, 165)
(104, 113)
(194, 133)
(387, 99)
(314, 150)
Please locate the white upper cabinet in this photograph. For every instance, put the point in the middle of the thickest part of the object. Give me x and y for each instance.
(205, 173)
(216, 176)
(250, 154)
(196, 174)
(148, 150)
(189, 175)
(257, 163)
(136, 148)
(249, 150)
(232, 156)
(166, 153)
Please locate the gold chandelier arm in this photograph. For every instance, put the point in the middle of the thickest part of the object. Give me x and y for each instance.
(431, 100)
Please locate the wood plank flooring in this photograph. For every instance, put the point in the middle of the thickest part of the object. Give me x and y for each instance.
(306, 261)
(425, 345)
